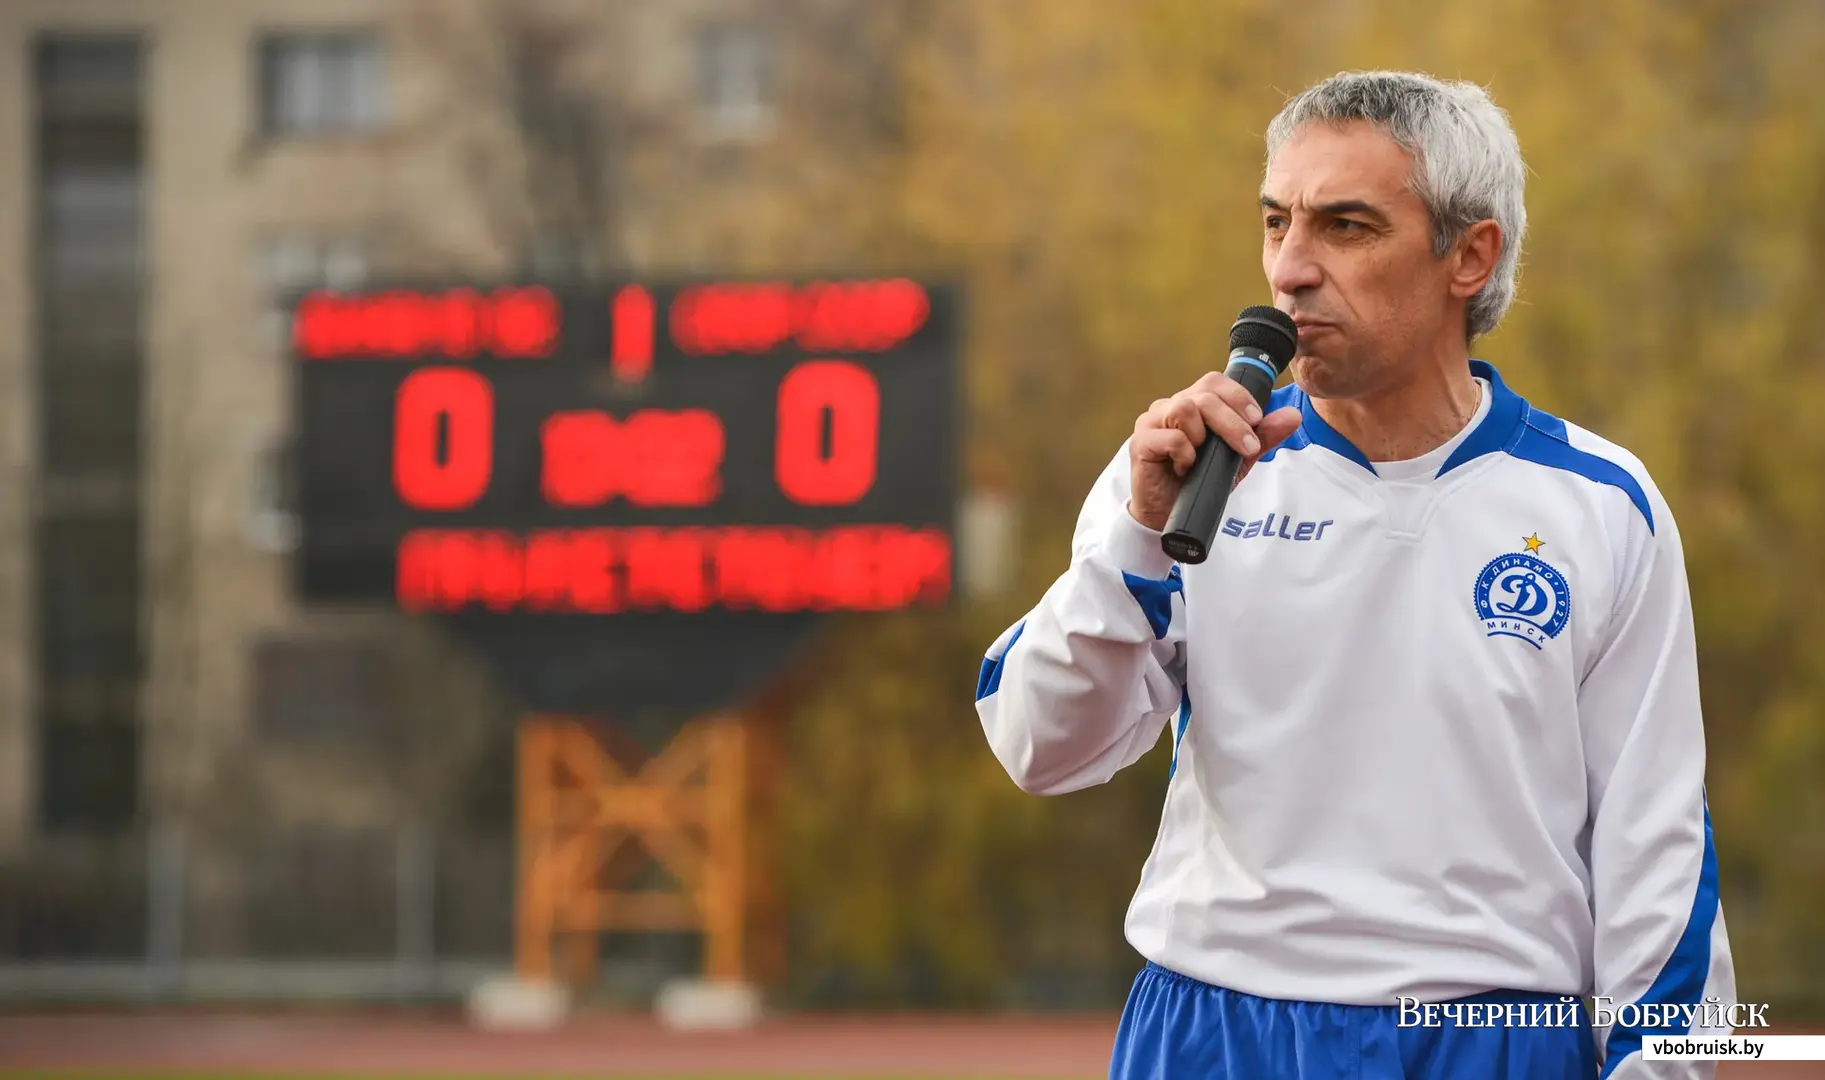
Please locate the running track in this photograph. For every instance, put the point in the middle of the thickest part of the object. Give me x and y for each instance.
(398, 1044)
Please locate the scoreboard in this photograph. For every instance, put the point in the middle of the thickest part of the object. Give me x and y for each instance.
(638, 494)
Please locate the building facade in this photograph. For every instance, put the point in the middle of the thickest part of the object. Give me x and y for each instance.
(171, 171)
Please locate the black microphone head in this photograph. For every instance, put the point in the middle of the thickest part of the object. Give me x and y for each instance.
(1268, 329)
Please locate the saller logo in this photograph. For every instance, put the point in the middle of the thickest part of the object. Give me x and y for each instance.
(1276, 526)
(1519, 595)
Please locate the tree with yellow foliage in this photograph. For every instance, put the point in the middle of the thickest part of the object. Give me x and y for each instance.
(1089, 171)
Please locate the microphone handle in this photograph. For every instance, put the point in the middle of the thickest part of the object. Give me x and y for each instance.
(1198, 510)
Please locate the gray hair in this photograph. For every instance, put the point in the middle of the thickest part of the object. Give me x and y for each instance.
(1467, 161)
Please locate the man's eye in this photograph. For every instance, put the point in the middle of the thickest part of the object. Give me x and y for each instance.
(1346, 225)
(1275, 223)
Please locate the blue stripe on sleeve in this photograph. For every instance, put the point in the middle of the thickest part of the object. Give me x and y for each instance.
(990, 679)
(1539, 444)
(1682, 980)
(1548, 423)
(1155, 597)
(1184, 722)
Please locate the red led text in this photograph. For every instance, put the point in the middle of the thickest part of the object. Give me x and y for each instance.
(605, 570)
(509, 322)
(653, 458)
(858, 316)
(631, 355)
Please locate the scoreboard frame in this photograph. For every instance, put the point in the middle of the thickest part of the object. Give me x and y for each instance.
(633, 477)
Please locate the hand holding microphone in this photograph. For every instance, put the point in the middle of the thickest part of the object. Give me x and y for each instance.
(1181, 477)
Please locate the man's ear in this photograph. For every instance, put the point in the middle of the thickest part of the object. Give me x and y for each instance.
(1474, 258)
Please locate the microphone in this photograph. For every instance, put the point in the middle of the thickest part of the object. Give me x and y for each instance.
(1261, 343)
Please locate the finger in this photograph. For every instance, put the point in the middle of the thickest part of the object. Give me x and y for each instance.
(1277, 426)
(1232, 392)
(1154, 417)
(1185, 413)
(1166, 445)
(1229, 425)
(1274, 429)
(1238, 398)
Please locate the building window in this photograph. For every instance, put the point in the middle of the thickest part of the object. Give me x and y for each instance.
(559, 256)
(288, 265)
(321, 83)
(285, 267)
(272, 519)
(91, 222)
(735, 78)
(91, 599)
(317, 690)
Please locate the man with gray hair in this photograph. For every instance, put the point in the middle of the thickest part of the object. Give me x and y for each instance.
(1437, 753)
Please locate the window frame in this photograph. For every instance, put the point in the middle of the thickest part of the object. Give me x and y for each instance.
(350, 46)
(754, 118)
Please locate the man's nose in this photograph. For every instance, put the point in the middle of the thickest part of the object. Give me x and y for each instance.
(1294, 266)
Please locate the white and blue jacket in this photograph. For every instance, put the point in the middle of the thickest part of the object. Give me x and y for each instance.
(1435, 725)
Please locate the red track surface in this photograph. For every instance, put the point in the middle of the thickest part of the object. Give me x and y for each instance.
(809, 1047)
(601, 1046)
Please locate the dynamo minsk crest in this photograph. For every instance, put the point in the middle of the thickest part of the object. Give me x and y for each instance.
(1518, 595)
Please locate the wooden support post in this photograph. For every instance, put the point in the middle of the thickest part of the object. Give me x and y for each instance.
(725, 898)
(688, 807)
(533, 923)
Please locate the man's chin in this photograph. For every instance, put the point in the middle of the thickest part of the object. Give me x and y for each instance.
(1316, 375)
(1322, 376)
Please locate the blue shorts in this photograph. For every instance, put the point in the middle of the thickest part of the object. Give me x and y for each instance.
(1176, 1028)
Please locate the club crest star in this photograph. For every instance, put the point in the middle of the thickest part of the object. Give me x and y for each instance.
(1534, 543)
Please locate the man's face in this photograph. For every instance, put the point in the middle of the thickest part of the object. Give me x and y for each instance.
(1348, 251)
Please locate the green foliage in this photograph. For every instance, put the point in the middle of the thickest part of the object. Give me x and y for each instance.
(1089, 171)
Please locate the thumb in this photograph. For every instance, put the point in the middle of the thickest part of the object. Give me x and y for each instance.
(1275, 428)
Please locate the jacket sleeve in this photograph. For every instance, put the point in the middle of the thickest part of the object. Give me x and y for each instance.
(1082, 686)
(1660, 942)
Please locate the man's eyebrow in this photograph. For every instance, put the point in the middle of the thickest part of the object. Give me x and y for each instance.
(1352, 206)
(1345, 206)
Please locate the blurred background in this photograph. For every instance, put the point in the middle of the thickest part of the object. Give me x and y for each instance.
(211, 791)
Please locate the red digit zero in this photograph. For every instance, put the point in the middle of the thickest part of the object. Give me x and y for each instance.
(443, 438)
(846, 396)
